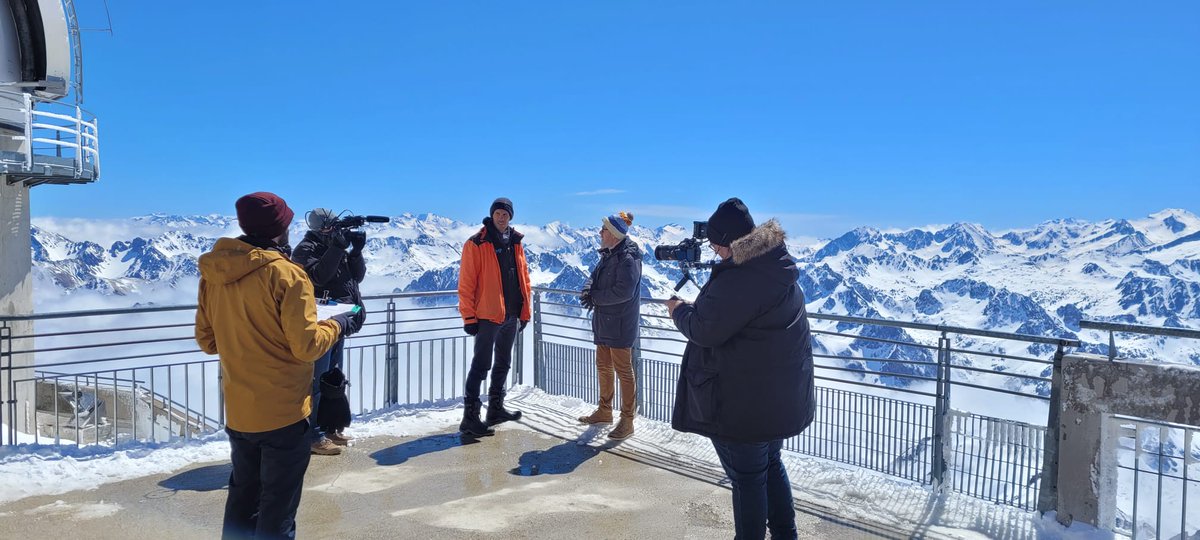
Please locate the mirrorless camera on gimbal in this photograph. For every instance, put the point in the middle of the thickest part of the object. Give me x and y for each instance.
(687, 253)
(345, 224)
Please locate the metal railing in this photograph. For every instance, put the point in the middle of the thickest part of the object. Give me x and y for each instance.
(886, 399)
(894, 397)
(143, 367)
(63, 141)
(1121, 328)
(1158, 479)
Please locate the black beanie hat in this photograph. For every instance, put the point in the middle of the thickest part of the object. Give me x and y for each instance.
(501, 204)
(731, 221)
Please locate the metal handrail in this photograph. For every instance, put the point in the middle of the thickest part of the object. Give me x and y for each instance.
(1112, 329)
(1141, 329)
(1065, 342)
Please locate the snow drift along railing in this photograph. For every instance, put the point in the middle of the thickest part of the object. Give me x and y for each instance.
(929, 408)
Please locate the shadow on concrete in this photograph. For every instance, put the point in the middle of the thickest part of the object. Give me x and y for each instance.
(561, 459)
(425, 445)
(208, 478)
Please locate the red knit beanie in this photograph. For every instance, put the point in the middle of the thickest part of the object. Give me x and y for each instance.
(263, 215)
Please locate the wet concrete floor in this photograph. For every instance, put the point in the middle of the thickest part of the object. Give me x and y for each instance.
(517, 484)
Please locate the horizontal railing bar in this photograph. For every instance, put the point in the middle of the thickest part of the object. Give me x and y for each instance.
(1000, 373)
(544, 323)
(656, 351)
(1159, 423)
(876, 373)
(117, 359)
(92, 313)
(104, 330)
(869, 385)
(560, 315)
(102, 345)
(565, 337)
(878, 340)
(1140, 329)
(865, 359)
(1000, 390)
(948, 329)
(1003, 356)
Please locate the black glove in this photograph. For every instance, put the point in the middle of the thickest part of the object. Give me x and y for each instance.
(523, 325)
(358, 239)
(471, 329)
(337, 239)
(349, 323)
(585, 300)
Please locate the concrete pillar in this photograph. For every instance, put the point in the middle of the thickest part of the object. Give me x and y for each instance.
(1094, 389)
(16, 295)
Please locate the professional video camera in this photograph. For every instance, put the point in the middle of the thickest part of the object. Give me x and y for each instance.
(687, 252)
(346, 224)
(353, 222)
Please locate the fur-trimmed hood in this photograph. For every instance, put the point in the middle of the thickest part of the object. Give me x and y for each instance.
(761, 240)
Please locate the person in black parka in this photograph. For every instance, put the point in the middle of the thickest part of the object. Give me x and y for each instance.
(746, 381)
(333, 259)
(614, 292)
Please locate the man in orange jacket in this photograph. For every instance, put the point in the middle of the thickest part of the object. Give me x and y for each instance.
(494, 300)
(258, 312)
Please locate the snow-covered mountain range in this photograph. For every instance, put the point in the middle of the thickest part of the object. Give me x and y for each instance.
(1039, 281)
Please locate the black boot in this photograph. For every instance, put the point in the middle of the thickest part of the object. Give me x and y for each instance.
(470, 423)
(496, 413)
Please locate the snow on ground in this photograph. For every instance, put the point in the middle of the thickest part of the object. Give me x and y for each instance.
(852, 493)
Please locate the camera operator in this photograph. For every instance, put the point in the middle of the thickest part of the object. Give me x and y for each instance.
(333, 258)
(746, 381)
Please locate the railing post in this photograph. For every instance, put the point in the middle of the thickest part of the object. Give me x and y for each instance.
(1048, 489)
(639, 375)
(538, 374)
(28, 138)
(1112, 346)
(79, 141)
(391, 369)
(941, 409)
(6, 376)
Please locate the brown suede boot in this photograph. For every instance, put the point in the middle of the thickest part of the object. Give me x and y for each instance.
(624, 430)
(599, 416)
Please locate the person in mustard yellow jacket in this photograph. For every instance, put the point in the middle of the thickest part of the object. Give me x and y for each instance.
(494, 300)
(257, 312)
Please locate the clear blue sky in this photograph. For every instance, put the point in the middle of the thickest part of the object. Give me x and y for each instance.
(831, 114)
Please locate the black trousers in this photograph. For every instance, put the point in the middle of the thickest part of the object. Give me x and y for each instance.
(264, 488)
(499, 337)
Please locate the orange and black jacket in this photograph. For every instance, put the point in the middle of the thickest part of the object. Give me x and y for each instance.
(480, 287)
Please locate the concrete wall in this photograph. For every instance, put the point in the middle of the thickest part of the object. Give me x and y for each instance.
(1095, 388)
(16, 287)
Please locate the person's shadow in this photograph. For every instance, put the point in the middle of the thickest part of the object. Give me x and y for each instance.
(208, 478)
(561, 459)
(418, 447)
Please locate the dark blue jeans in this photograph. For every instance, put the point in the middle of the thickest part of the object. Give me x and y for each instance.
(331, 359)
(762, 494)
(265, 485)
(497, 337)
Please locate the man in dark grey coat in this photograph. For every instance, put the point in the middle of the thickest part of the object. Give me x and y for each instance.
(746, 381)
(614, 292)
